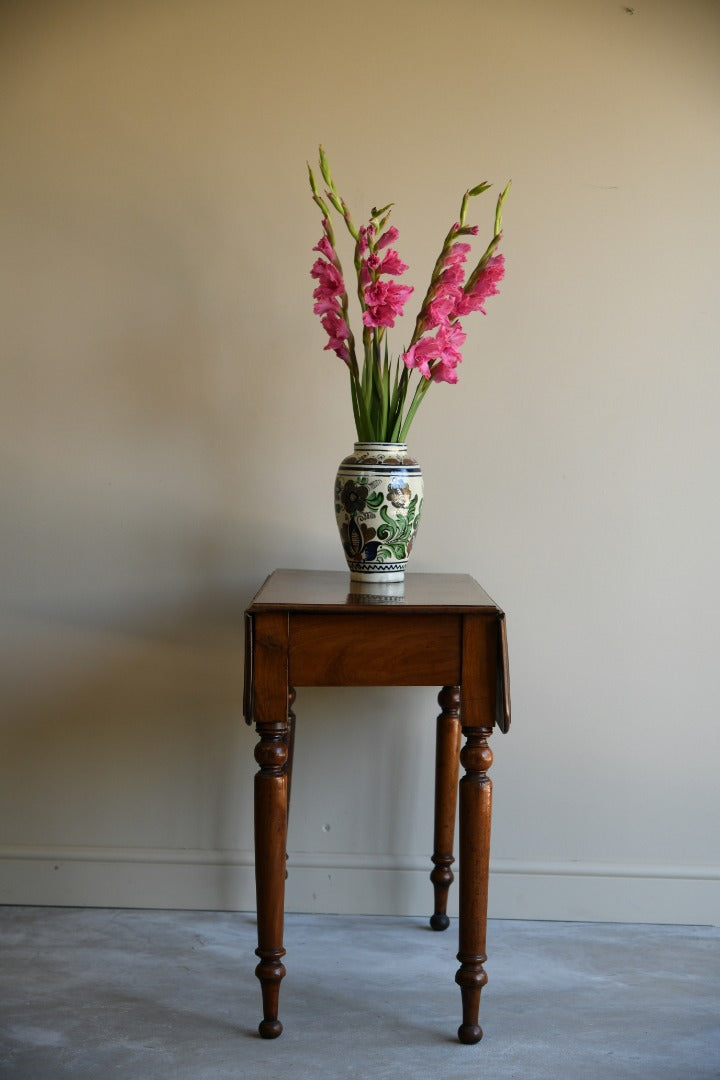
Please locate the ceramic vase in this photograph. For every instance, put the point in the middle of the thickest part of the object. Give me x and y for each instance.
(378, 498)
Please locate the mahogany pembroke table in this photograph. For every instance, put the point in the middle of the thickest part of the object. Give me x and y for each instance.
(319, 628)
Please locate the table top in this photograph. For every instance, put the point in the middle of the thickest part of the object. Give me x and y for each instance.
(332, 590)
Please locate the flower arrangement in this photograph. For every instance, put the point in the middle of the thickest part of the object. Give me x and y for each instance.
(380, 387)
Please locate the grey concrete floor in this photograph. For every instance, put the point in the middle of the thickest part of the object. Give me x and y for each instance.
(158, 995)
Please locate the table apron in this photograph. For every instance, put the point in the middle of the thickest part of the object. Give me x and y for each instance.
(375, 649)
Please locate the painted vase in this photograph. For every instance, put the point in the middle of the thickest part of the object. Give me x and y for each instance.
(378, 498)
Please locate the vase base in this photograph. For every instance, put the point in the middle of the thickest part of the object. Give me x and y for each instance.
(378, 577)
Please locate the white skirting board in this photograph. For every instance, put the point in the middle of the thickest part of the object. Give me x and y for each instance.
(355, 884)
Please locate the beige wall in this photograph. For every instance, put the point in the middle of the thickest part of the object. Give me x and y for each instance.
(170, 429)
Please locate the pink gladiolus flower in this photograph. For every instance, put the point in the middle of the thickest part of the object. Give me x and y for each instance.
(452, 275)
(458, 253)
(485, 286)
(329, 294)
(338, 332)
(363, 240)
(384, 303)
(388, 237)
(325, 248)
(440, 309)
(383, 300)
(420, 355)
(447, 290)
(437, 357)
(328, 277)
(335, 326)
(445, 371)
(449, 339)
(392, 264)
(324, 304)
(340, 349)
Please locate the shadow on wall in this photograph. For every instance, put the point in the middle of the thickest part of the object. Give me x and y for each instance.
(126, 731)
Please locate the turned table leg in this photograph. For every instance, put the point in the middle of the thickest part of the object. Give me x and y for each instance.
(271, 811)
(447, 766)
(475, 810)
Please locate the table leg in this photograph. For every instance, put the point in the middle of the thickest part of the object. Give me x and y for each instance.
(271, 810)
(475, 811)
(447, 766)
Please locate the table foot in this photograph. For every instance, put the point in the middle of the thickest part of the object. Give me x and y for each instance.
(470, 1034)
(471, 978)
(439, 921)
(442, 878)
(270, 972)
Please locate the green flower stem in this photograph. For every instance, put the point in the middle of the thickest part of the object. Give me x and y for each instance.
(420, 391)
(355, 403)
(363, 422)
(397, 404)
(380, 386)
(348, 220)
(351, 337)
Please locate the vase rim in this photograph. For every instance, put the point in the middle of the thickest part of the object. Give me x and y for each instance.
(378, 442)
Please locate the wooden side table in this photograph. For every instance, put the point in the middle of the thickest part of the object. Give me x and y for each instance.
(317, 628)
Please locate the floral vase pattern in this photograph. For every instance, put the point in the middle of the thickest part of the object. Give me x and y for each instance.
(378, 498)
